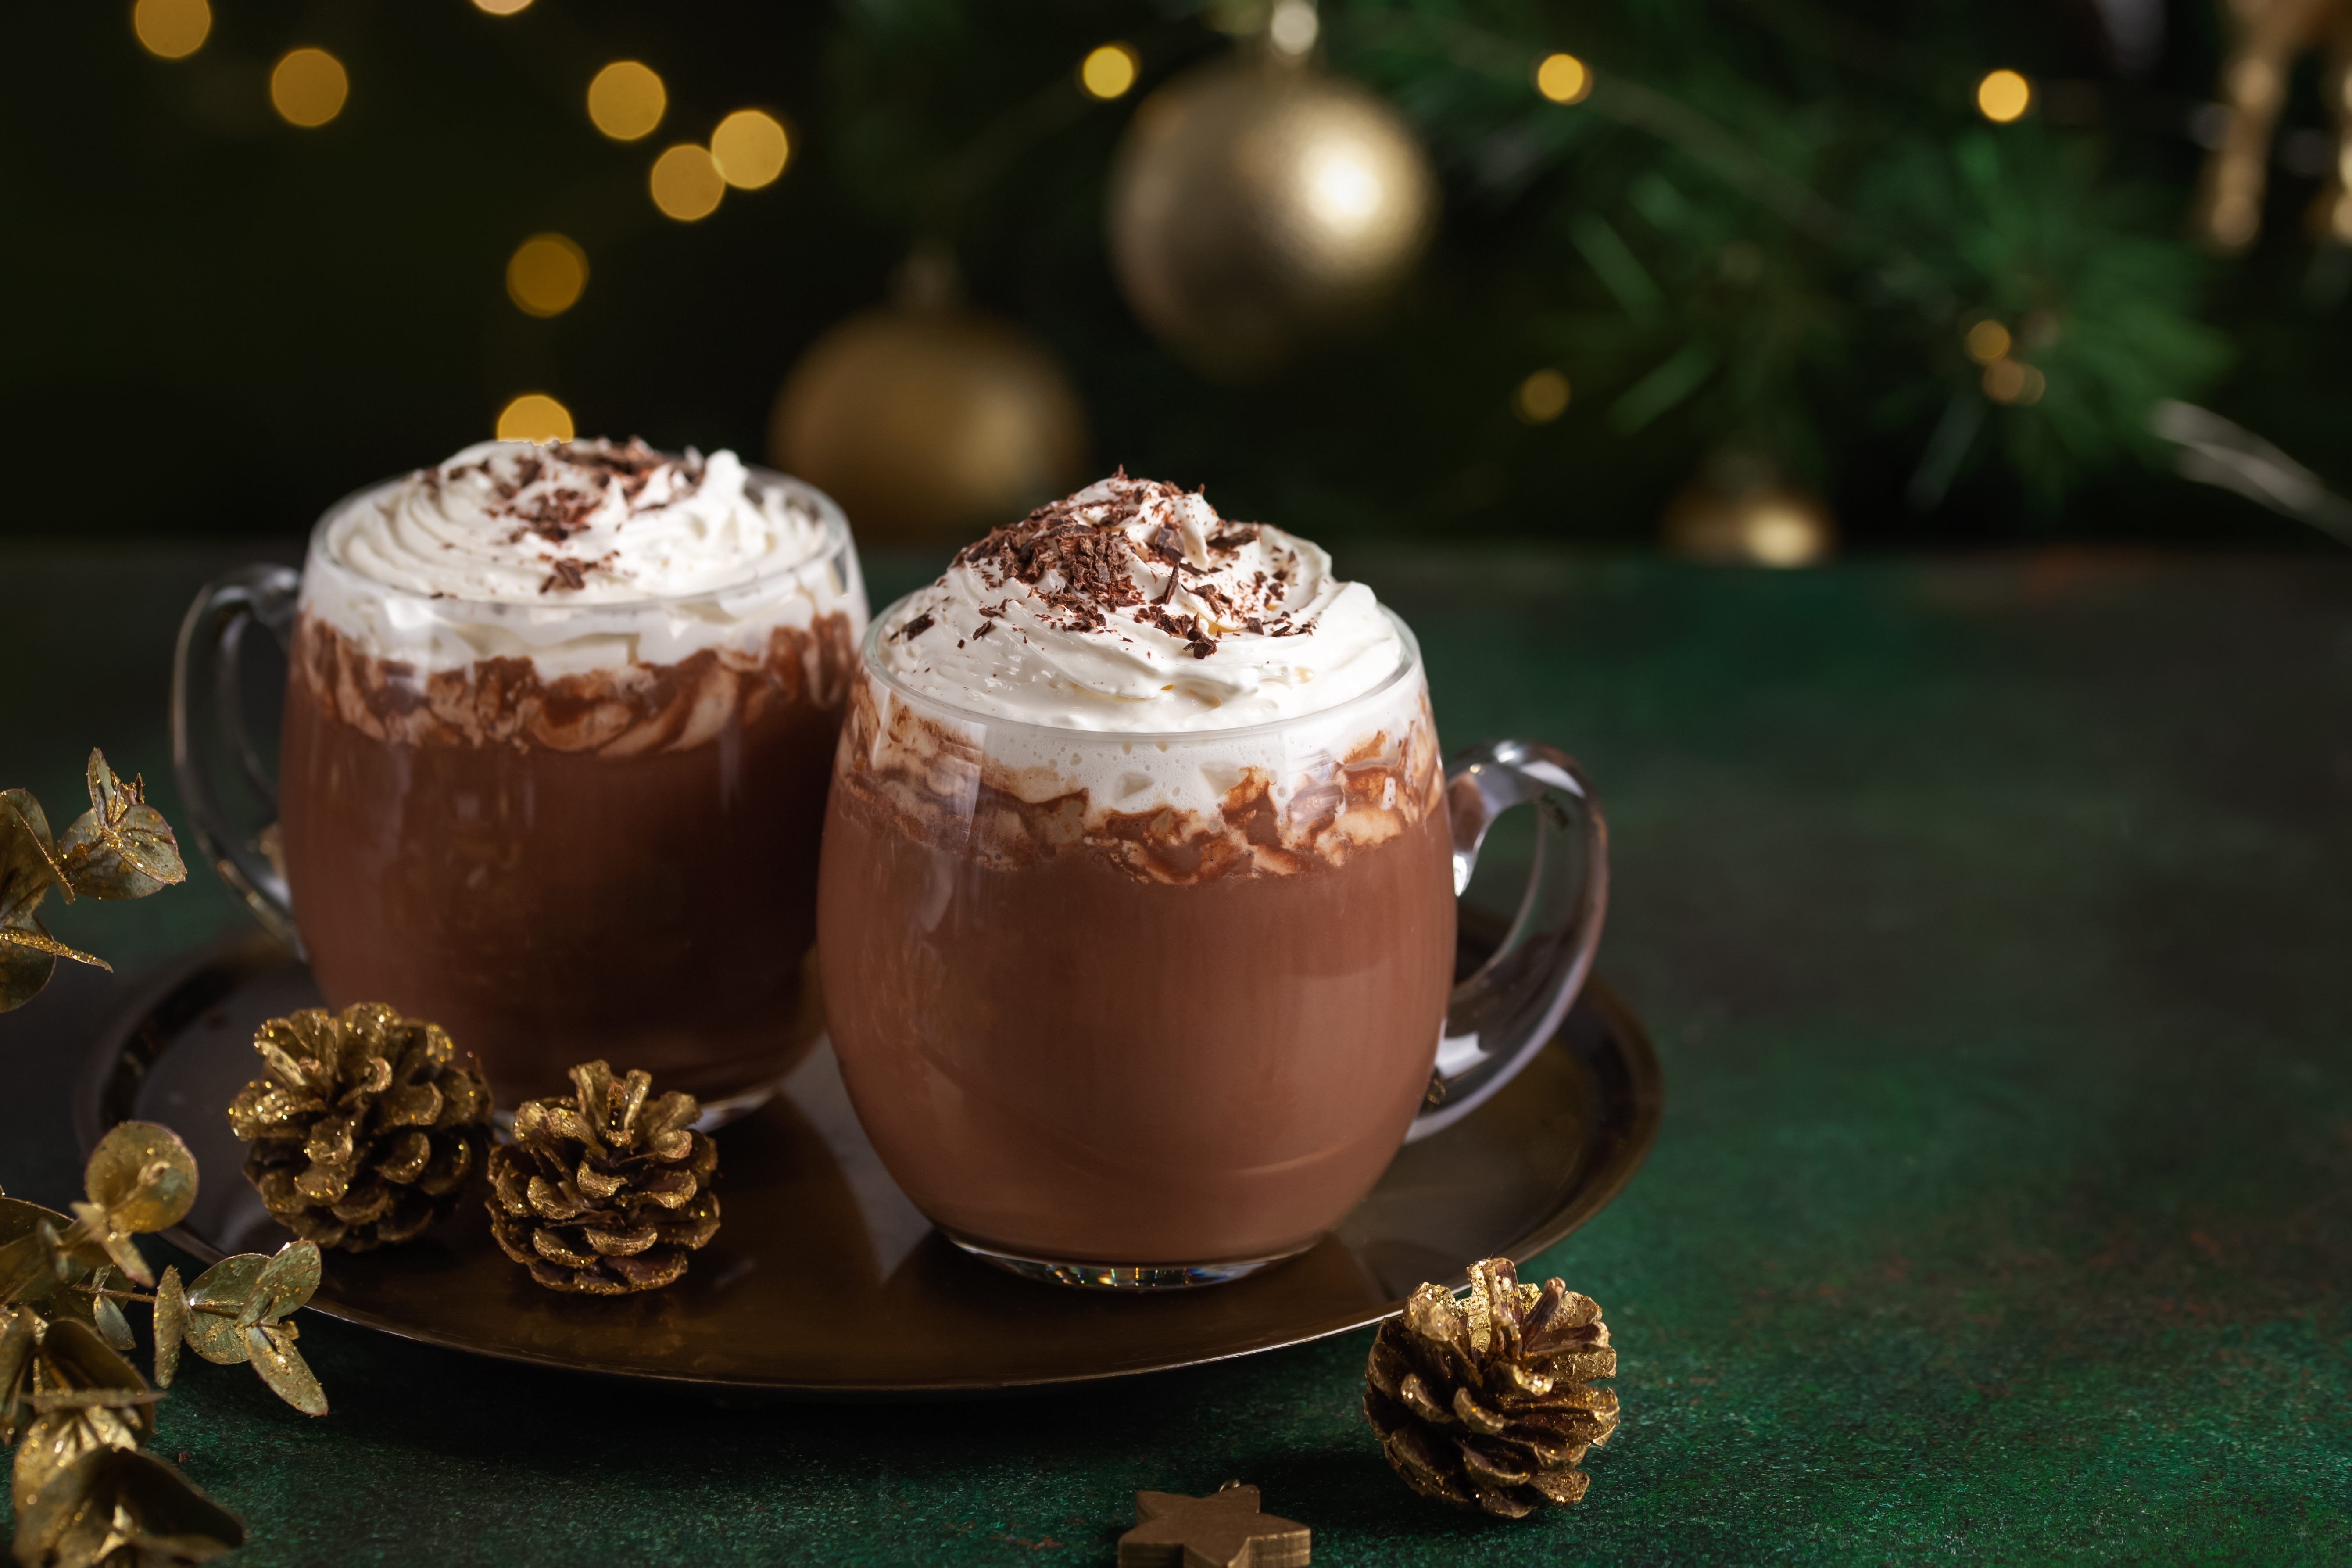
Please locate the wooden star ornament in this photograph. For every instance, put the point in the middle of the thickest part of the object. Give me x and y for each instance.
(1223, 1530)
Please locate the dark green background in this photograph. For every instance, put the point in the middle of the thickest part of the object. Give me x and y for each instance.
(1991, 919)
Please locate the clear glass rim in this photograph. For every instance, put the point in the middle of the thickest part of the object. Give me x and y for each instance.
(836, 542)
(870, 660)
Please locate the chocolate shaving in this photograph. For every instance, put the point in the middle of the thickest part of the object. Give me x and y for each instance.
(569, 573)
(1084, 562)
(916, 626)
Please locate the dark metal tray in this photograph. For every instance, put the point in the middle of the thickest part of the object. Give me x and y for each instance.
(825, 1281)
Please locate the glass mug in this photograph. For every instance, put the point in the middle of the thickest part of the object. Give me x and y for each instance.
(1171, 1044)
(560, 831)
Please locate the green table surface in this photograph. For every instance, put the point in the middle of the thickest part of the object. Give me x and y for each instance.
(1990, 917)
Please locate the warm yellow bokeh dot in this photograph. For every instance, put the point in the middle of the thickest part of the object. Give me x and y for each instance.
(1107, 72)
(534, 416)
(171, 28)
(502, 7)
(2012, 381)
(749, 149)
(686, 183)
(1987, 341)
(1563, 79)
(627, 101)
(1776, 535)
(1541, 398)
(2003, 96)
(546, 274)
(308, 87)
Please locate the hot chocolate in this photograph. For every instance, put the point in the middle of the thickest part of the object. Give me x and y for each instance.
(557, 737)
(1137, 904)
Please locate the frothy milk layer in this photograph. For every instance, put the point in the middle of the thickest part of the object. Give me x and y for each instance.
(1210, 686)
(1132, 606)
(579, 555)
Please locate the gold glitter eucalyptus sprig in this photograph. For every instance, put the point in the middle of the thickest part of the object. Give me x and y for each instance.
(75, 1408)
(120, 848)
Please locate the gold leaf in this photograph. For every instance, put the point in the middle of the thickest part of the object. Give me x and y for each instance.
(171, 1324)
(143, 1176)
(19, 1333)
(53, 1444)
(34, 1266)
(118, 1506)
(27, 856)
(28, 1231)
(108, 1315)
(120, 848)
(24, 970)
(94, 1242)
(288, 1282)
(72, 1358)
(230, 1283)
(281, 1366)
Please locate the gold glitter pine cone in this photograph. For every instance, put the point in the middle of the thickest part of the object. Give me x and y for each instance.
(1487, 1402)
(601, 1193)
(366, 1130)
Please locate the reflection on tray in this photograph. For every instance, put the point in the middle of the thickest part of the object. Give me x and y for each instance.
(826, 1278)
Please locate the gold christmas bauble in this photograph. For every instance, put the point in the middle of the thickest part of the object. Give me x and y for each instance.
(1741, 512)
(1255, 203)
(928, 423)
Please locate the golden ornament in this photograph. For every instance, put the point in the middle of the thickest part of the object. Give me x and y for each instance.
(1257, 202)
(1741, 512)
(1487, 1402)
(2265, 38)
(928, 421)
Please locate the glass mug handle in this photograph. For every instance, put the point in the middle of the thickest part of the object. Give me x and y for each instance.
(210, 743)
(1502, 1016)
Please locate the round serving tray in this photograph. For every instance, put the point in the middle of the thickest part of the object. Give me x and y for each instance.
(825, 1281)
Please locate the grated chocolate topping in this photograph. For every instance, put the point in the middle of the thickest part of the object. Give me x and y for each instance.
(558, 495)
(1086, 559)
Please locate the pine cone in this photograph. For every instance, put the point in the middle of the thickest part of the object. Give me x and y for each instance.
(601, 1193)
(364, 1132)
(1486, 1402)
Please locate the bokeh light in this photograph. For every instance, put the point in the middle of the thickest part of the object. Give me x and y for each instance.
(174, 29)
(308, 87)
(1779, 536)
(1541, 398)
(534, 416)
(749, 149)
(546, 274)
(686, 183)
(1987, 341)
(1107, 72)
(502, 7)
(627, 101)
(2012, 381)
(2003, 96)
(1563, 79)
(1293, 26)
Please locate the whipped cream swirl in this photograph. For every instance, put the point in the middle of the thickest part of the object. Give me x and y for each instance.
(576, 522)
(1133, 606)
